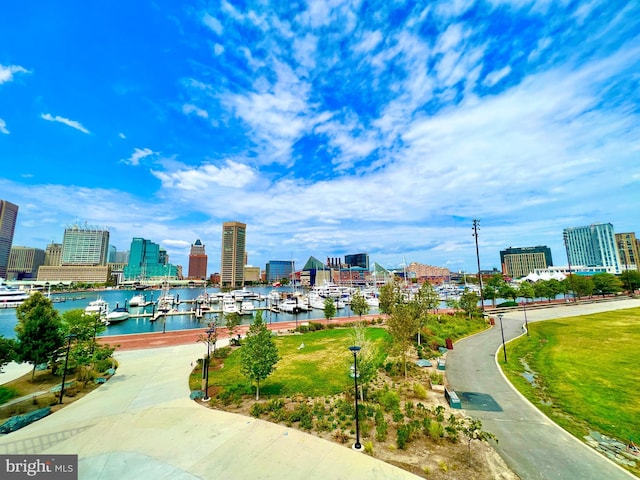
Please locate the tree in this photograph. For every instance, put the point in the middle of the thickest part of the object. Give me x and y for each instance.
(85, 327)
(581, 286)
(606, 283)
(508, 292)
(7, 351)
(425, 300)
(259, 353)
(390, 296)
(232, 320)
(469, 302)
(359, 304)
(329, 308)
(492, 288)
(472, 429)
(548, 289)
(39, 333)
(402, 325)
(526, 291)
(631, 280)
(367, 357)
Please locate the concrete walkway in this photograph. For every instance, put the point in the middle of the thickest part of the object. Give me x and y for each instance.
(531, 444)
(141, 424)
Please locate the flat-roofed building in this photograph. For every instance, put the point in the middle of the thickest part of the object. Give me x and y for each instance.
(8, 218)
(518, 262)
(276, 270)
(629, 249)
(83, 245)
(75, 273)
(592, 246)
(233, 254)
(24, 262)
(53, 255)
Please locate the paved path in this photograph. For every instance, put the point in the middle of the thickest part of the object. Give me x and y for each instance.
(142, 425)
(531, 444)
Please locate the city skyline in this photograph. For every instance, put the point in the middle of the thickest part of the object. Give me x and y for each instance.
(328, 129)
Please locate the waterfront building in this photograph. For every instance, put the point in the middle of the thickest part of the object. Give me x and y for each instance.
(24, 263)
(53, 255)
(74, 273)
(428, 273)
(357, 260)
(8, 217)
(629, 250)
(147, 260)
(518, 262)
(233, 254)
(112, 254)
(276, 270)
(251, 274)
(198, 261)
(122, 257)
(85, 245)
(592, 246)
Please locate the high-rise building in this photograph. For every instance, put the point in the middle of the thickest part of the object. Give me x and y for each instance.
(53, 255)
(83, 245)
(24, 262)
(148, 260)
(233, 254)
(276, 270)
(198, 261)
(520, 262)
(357, 260)
(8, 217)
(628, 250)
(592, 246)
(122, 257)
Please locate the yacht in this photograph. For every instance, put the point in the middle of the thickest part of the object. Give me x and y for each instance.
(99, 306)
(118, 314)
(137, 301)
(247, 307)
(229, 305)
(11, 297)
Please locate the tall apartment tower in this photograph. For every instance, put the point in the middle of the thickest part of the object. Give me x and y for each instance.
(24, 262)
(82, 245)
(233, 254)
(198, 261)
(629, 250)
(8, 217)
(593, 246)
(53, 255)
(520, 262)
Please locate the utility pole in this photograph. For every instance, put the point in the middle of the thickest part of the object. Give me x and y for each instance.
(476, 227)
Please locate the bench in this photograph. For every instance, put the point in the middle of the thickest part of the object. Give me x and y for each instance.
(441, 364)
(452, 398)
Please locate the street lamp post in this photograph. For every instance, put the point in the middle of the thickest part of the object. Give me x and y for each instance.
(66, 364)
(524, 308)
(504, 346)
(210, 333)
(355, 349)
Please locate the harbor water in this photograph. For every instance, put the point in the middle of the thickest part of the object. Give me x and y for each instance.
(80, 300)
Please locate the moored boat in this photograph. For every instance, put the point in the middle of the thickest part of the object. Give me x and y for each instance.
(11, 297)
(118, 314)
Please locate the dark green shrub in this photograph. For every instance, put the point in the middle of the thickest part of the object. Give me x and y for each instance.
(256, 410)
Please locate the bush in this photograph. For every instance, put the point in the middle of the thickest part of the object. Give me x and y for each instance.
(419, 391)
(389, 400)
(256, 410)
(436, 431)
(509, 303)
(436, 378)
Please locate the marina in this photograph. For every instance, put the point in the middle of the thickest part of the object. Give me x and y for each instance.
(184, 308)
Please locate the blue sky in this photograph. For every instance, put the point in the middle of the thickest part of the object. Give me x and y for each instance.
(329, 127)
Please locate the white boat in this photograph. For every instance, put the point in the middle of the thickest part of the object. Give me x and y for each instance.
(137, 301)
(289, 306)
(373, 302)
(11, 297)
(99, 306)
(118, 314)
(247, 307)
(229, 305)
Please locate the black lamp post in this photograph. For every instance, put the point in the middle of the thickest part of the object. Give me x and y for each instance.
(355, 349)
(210, 333)
(66, 363)
(504, 346)
(524, 309)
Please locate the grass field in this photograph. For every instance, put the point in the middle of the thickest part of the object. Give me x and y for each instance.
(321, 368)
(586, 372)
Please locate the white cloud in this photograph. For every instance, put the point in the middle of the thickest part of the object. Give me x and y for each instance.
(7, 72)
(233, 174)
(3, 127)
(65, 121)
(213, 23)
(494, 77)
(122, 135)
(137, 155)
(218, 49)
(189, 108)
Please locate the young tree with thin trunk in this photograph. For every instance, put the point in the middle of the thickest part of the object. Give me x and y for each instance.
(359, 304)
(259, 354)
(39, 331)
(402, 325)
(330, 309)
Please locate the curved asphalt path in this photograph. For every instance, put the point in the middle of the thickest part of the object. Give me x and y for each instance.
(531, 444)
(142, 425)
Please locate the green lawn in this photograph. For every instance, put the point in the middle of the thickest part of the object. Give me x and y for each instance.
(586, 370)
(319, 369)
